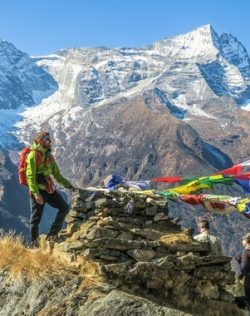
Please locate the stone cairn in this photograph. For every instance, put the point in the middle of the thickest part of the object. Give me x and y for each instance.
(141, 250)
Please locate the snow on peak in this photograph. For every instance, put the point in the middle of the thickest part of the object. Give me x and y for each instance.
(201, 43)
(235, 53)
(186, 70)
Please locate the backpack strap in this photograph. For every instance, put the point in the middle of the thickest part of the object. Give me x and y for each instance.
(39, 157)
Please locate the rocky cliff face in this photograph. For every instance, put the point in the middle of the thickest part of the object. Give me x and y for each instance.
(22, 81)
(125, 255)
(195, 84)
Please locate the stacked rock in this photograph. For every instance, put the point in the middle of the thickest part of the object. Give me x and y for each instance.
(139, 248)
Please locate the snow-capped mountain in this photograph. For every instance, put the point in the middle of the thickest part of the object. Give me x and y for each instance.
(177, 106)
(22, 81)
(184, 72)
(189, 74)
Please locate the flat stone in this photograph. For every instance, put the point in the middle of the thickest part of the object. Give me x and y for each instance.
(97, 252)
(116, 268)
(96, 233)
(72, 228)
(91, 213)
(163, 204)
(74, 213)
(118, 211)
(71, 246)
(166, 226)
(154, 283)
(149, 200)
(208, 260)
(126, 235)
(108, 258)
(131, 220)
(139, 204)
(141, 255)
(111, 223)
(104, 202)
(160, 217)
(88, 194)
(216, 274)
(226, 296)
(149, 234)
(185, 263)
(121, 244)
(185, 247)
(147, 271)
(90, 205)
(73, 220)
(211, 291)
(80, 206)
(165, 263)
(151, 211)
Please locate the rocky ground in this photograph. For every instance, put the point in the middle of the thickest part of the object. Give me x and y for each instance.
(123, 255)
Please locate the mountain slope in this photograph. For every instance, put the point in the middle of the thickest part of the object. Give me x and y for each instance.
(22, 81)
(176, 107)
(14, 206)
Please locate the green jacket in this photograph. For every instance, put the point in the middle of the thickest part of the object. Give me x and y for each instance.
(47, 168)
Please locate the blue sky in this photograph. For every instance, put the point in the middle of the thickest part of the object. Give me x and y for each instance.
(44, 26)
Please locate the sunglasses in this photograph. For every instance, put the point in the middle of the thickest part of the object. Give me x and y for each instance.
(47, 138)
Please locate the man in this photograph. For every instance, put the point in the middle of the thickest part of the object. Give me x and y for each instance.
(244, 261)
(204, 236)
(40, 166)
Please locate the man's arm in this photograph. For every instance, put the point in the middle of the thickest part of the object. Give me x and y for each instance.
(245, 255)
(59, 178)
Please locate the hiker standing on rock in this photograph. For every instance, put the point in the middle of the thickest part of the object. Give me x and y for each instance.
(40, 166)
(244, 262)
(204, 236)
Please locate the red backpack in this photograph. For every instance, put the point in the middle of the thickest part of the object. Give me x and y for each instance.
(23, 164)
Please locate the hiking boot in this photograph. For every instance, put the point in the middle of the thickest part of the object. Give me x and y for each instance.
(34, 244)
(54, 238)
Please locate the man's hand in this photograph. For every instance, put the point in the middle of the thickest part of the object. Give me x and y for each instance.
(238, 258)
(73, 189)
(38, 199)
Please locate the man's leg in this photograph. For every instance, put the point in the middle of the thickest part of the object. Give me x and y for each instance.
(247, 287)
(35, 217)
(55, 200)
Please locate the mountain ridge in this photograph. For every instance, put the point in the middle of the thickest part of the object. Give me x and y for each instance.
(139, 113)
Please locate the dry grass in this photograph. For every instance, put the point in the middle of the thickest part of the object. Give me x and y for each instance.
(33, 263)
(90, 271)
(86, 284)
(55, 310)
(95, 295)
(178, 238)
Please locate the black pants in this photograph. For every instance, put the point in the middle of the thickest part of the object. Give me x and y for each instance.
(55, 200)
(247, 286)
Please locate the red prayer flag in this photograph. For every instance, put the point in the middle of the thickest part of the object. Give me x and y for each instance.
(167, 179)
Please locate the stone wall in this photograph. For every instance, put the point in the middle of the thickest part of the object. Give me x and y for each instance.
(140, 249)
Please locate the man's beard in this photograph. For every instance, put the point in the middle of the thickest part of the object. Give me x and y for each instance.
(47, 146)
